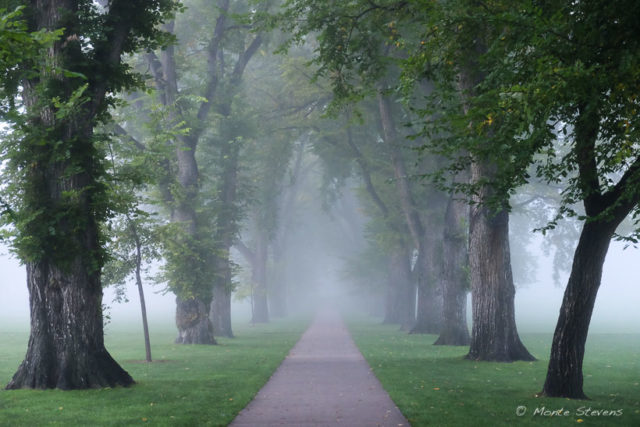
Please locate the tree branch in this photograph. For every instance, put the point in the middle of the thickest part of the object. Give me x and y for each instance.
(406, 198)
(212, 64)
(244, 59)
(247, 253)
(586, 133)
(626, 192)
(366, 175)
(120, 131)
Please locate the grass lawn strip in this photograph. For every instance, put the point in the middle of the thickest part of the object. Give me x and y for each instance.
(184, 386)
(434, 385)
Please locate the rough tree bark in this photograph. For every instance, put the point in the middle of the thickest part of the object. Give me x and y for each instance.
(192, 320)
(66, 347)
(403, 185)
(454, 274)
(494, 335)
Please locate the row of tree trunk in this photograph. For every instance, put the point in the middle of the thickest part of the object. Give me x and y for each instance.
(470, 248)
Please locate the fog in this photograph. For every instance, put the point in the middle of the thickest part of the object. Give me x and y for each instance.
(317, 278)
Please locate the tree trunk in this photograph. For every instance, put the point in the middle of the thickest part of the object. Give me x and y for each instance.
(192, 320)
(287, 203)
(454, 275)
(605, 212)
(227, 230)
(278, 292)
(143, 306)
(64, 194)
(429, 316)
(221, 306)
(403, 185)
(400, 295)
(564, 375)
(494, 335)
(391, 310)
(260, 305)
(192, 312)
(193, 323)
(66, 347)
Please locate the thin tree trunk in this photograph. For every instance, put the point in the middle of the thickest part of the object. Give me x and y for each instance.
(391, 311)
(260, 297)
(143, 306)
(278, 292)
(429, 315)
(454, 274)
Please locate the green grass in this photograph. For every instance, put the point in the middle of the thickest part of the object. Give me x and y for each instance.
(433, 385)
(187, 386)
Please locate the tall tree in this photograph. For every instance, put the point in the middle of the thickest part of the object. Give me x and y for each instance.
(455, 263)
(452, 51)
(56, 182)
(585, 82)
(200, 238)
(563, 93)
(246, 45)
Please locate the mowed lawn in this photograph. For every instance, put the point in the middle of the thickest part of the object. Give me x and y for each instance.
(185, 386)
(434, 386)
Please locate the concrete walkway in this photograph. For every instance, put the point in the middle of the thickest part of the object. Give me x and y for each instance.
(324, 381)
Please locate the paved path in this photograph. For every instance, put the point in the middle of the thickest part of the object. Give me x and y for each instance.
(324, 381)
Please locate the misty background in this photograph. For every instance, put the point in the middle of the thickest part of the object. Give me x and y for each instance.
(318, 262)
